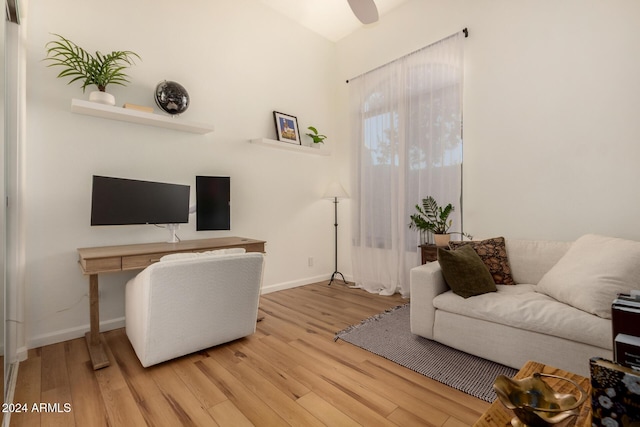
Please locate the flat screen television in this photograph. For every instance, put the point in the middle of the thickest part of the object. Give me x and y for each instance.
(120, 201)
(213, 203)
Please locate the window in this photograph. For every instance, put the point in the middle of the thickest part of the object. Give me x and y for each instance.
(407, 144)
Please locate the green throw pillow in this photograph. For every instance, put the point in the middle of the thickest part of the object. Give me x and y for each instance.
(465, 272)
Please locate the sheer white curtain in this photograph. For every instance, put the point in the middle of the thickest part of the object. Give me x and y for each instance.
(406, 121)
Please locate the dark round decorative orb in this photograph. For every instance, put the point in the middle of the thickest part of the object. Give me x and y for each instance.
(172, 97)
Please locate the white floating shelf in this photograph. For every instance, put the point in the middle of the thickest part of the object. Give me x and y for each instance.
(134, 116)
(292, 147)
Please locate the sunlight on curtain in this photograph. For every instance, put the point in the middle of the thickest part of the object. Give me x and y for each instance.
(406, 121)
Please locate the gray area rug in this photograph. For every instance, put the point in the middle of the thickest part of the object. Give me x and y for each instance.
(388, 335)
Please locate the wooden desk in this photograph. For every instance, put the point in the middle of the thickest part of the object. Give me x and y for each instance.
(111, 259)
(499, 416)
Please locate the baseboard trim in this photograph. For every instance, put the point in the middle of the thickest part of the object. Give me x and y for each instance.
(108, 325)
(22, 354)
(73, 333)
(294, 283)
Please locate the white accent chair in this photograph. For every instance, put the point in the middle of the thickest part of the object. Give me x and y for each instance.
(189, 302)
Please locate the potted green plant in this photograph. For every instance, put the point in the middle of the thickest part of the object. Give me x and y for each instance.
(99, 69)
(434, 218)
(317, 137)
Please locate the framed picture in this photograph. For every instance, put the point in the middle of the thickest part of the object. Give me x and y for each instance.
(287, 128)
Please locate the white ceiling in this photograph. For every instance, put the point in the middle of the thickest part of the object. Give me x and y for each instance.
(332, 19)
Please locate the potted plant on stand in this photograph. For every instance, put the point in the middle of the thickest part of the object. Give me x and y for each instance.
(100, 70)
(434, 218)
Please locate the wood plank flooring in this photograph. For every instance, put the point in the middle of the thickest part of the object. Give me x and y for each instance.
(289, 373)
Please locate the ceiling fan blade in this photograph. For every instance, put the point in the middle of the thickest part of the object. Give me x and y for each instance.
(365, 10)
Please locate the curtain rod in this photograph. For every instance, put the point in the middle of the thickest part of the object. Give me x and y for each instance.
(464, 30)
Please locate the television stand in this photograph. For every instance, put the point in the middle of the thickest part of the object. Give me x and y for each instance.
(112, 259)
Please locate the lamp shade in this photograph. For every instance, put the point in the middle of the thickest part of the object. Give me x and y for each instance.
(335, 190)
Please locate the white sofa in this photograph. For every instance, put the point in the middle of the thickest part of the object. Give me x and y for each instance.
(523, 322)
(189, 302)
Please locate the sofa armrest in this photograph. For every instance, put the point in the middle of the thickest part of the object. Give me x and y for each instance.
(426, 282)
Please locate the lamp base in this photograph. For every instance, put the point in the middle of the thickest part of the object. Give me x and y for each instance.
(334, 275)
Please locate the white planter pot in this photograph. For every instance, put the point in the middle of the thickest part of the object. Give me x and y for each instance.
(102, 98)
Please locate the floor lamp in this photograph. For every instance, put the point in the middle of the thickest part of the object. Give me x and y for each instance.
(336, 191)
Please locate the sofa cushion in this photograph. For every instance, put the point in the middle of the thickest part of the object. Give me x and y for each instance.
(592, 272)
(532, 259)
(522, 307)
(464, 272)
(493, 253)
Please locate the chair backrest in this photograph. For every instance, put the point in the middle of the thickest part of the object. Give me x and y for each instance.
(193, 303)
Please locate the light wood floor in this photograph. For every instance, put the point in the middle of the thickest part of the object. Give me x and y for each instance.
(290, 372)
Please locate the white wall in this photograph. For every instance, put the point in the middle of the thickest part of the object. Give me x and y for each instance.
(551, 94)
(240, 61)
(551, 137)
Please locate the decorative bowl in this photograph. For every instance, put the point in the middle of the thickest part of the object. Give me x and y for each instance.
(535, 402)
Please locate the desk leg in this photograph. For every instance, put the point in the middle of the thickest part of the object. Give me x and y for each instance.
(97, 353)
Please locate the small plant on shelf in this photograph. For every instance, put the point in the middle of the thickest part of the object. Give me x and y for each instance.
(317, 137)
(79, 65)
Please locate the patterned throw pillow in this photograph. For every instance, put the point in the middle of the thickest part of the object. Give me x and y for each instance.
(493, 253)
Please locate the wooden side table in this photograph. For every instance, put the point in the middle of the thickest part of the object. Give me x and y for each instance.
(429, 252)
(499, 416)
